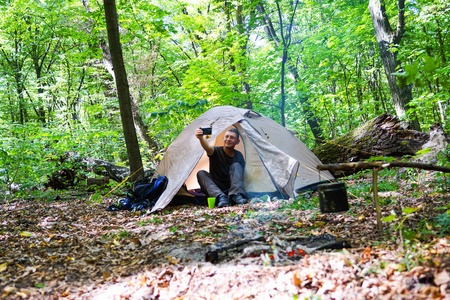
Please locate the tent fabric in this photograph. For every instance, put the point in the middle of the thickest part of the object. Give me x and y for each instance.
(278, 164)
(275, 160)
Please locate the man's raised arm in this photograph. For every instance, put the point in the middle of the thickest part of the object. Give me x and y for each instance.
(208, 148)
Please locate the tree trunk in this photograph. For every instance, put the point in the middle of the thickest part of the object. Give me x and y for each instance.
(283, 92)
(40, 112)
(286, 42)
(123, 92)
(142, 129)
(386, 38)
(242, 65)
(239, 66)
(139, 123)
(303, 99)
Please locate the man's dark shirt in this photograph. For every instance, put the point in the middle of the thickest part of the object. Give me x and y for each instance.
(219, 166)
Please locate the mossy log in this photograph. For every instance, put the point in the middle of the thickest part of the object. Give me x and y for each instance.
(381, 136)
(67, 177)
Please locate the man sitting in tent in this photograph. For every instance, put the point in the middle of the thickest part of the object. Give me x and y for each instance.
(225, 181)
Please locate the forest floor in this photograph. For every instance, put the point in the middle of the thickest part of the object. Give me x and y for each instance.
(72, 248)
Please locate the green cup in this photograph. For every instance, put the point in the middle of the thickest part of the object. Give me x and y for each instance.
(211, 202)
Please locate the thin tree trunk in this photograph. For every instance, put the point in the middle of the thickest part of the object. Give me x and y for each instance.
(286, 42)
(142, 128)
(304, 104)
(139, 123)
(38, 71)
(242, 66)
(386, 37)
(123, 92)
(283, 92)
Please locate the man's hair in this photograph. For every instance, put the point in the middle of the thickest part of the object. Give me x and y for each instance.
(235, 131)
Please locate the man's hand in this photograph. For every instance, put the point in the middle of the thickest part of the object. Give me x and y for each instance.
(199, 133)
(205, 145)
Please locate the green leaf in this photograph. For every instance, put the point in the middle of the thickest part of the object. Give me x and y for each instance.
(412, 71)
(39, 285)
(419, 83)
(389, 218)
(430, 64)
(409, 210)
(423, 151)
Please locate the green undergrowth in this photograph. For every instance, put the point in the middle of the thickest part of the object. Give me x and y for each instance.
(403, 193)
(305, 201)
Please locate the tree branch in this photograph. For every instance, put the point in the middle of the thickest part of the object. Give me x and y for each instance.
(381, 164)
(268, 26)
(401, 21)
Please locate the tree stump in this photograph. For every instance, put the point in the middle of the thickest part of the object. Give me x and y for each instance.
(437, 142)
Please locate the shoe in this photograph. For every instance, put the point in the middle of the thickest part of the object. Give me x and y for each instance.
(223, 200)
(239, 199)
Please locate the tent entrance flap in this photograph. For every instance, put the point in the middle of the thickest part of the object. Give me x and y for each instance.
(256, 177)
(278, 164)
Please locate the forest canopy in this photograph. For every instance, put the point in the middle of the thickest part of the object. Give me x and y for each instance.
(320, 68)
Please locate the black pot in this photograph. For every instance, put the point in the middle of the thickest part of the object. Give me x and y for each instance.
(333, 197)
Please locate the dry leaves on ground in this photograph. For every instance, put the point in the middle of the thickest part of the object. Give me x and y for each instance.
(78, 250)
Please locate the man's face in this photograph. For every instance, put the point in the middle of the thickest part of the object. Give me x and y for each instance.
(230, 139)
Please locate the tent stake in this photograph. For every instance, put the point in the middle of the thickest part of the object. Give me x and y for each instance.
(375, 197)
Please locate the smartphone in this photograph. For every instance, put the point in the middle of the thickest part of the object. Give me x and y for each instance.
(207, 130)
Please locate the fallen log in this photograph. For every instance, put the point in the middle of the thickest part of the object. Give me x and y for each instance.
(104, 168)
(99, 182)
(381, 136)
(68, 177)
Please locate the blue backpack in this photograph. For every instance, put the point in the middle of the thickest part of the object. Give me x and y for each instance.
(144, 195)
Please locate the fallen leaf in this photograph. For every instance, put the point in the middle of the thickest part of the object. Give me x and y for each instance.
(3, 267)
(366, 254)
(136, 241)
(442, 278)
(298, 224)
(21, 295)
(25, 292)
(296, 279)
(172, 260)
(391, 268)
(432, 291)
(66, 293)
(8, 290)
(106, 275)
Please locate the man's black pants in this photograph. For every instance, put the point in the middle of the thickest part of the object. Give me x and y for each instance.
(236, 177)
